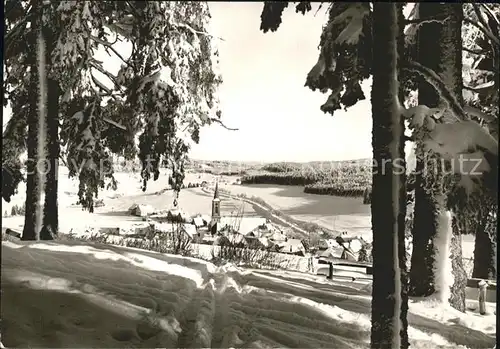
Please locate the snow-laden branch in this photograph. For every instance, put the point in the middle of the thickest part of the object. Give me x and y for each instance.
(105, 72)
(433, 78)
(485, 31)
(222, 124)
(474, 52)
(194, 31)
(114, 123)
(14, 35)
(479, 114)
(100, 85)
(485, 24)
(426, 20)
(110, 46)
(480, 87)
(490, 12)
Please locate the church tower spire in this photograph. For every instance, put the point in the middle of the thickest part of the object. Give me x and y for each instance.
(215, 208)
(216, 191)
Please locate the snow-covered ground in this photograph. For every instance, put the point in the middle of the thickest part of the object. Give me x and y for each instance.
(75, 294)
(342, 214)
(332, 212)
(117, 203)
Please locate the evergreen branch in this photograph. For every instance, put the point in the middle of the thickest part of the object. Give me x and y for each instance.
(479, 114)
(426, 20)
(479, 88)
(110, 46)
(99, 84)
(433, 79)
(222, 124)
(485, 31)
(105, 72)
(194, 31)
(490, 13)
(470, 88)
(479, 16)
(14, 35)
(474, 52)
(114, 123)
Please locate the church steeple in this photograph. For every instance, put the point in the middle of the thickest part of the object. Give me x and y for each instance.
(215, 207)
(216, 191)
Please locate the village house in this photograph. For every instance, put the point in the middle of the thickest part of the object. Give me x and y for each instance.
(178, 216)
(292, 246)
(198, 222)
(140, 210)
(180, 231)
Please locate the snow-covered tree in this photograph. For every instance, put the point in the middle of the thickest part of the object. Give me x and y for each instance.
(165, 89)
(390, 294)
(345, 60)
(470, 134)
(21, 71)
(444, 58)
(481, 88)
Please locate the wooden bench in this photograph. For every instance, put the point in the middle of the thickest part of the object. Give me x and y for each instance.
(367, 266)
(472, 290)
(473, 283)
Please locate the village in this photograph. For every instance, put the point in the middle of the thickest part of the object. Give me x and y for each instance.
(244, 232)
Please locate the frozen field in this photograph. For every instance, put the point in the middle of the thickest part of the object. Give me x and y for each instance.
(90, 295)
(331, 212)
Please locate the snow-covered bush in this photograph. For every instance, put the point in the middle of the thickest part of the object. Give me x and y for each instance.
(241, 255)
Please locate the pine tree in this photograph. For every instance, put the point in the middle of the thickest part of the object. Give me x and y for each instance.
(50, 223)
(481, 84)
(166, 89)
(444, 57)
(473, 133)
(345, 60)
(389, 295)
(31, 228)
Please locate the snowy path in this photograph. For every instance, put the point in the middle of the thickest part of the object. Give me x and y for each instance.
(76, 294)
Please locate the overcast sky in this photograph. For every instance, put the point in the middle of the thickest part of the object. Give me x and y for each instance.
(263, 93)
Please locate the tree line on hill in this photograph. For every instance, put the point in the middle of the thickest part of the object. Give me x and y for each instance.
(340, 178)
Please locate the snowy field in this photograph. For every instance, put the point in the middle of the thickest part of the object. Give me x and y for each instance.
(343, 214)
(116, 203)
(76, 294)
(331, 212)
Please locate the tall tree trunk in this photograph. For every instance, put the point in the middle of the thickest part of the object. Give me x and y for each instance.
(32, 207)
(50, 211)
(424, 229)
(485, 243)
(440, 49)
(389, 293)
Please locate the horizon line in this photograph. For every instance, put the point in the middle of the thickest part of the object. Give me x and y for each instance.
(279, 161)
